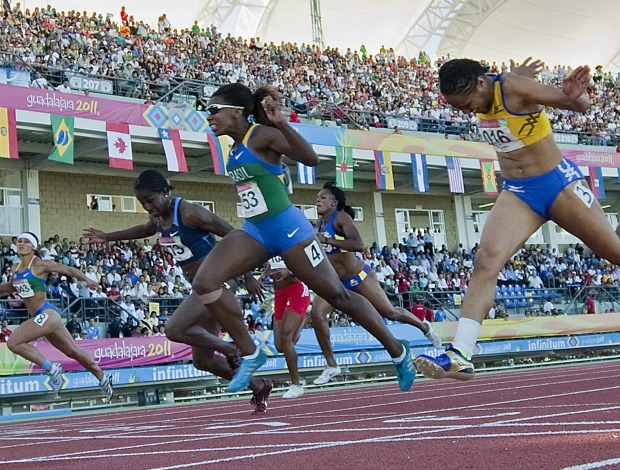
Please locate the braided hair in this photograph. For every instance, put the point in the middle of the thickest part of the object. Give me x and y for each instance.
(460, 76)
(152, 180)
(237, 94)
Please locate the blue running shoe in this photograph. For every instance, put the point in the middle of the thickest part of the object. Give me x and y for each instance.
(246, 370)
(450, 365)
(405, 371)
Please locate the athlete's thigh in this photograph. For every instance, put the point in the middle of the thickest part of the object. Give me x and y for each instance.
(191, 312)
(372, 291)
(577, 210)
(508, 226)
(37, 327)
(290, 323)
(320, 307)
(233, 255)
(308, 262)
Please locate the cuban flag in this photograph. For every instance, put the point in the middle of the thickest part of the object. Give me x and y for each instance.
(119, 146)
(420, 172)
(455, 175)
(173, 148)
(305, 174)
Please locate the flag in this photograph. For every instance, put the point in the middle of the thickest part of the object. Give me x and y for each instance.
(455, 175)
(344, 167)
(8, 134)
(489, 182)
(596, 182)
(119, 146)
(173, 148)
(420, 172)
(305, 174)
(62, 131)
(384, 175)
(219, 149)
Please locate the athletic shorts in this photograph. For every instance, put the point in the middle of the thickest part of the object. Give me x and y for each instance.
(354, 282)
(295, 298)
(282, 231)
(540, 192)
(45, 306)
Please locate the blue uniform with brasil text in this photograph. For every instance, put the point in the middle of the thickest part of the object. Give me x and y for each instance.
(270, 218)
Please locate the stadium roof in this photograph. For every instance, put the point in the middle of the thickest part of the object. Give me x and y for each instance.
(567, 32)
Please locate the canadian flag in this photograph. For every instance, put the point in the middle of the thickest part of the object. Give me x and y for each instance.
(173, 148)
(119, 146)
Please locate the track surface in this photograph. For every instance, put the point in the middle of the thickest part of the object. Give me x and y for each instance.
(551, 418)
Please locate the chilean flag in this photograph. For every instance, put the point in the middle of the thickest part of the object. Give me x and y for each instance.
(173, 148)
(119, 146)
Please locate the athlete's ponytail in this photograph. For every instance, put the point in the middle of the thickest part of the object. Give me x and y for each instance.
(237, 94)
(338, 194)
(260, 116)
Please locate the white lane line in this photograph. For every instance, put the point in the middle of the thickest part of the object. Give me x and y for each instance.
(593, 465)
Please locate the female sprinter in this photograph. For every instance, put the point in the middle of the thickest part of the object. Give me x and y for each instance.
(28, 280)
(291, 300)
(539, 185)
(341, 239)
(273, 226)
(187, 231)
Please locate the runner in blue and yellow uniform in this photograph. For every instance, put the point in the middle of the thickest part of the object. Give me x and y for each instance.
(187, 231)
(273, 226)
(29, 280)
(539, 185)
(341, 239)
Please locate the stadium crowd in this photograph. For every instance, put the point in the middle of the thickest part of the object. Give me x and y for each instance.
(354, 85)
(134, 274)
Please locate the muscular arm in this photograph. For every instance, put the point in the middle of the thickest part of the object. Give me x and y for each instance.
(572, 96)
(52, 266)
(139, 231)
(198, 217)
(345, 225)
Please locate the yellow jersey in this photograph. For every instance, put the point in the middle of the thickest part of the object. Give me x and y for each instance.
(507, 131)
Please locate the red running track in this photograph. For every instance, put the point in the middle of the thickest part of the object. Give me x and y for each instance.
(550, 418)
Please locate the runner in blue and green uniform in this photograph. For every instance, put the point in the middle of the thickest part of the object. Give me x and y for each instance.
(273, 226)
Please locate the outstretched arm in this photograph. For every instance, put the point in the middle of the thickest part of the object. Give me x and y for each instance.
(139, 231)
(527, 69)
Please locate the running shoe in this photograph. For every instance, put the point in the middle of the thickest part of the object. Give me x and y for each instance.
(234, 360)
(452, 365)
(259, 400)
(296, 391)
(106, 386)
(432, 336)
(246, 370)
(327, 374)
(405, 370)
(55, 374)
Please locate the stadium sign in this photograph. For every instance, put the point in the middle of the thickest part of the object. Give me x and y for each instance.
(401, 123)
(566, 138)
(98, 85)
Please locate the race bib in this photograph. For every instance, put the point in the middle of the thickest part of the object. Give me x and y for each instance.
(174, 246)
(23, 288)
(277, 263)
(497, 133)
(252, 199)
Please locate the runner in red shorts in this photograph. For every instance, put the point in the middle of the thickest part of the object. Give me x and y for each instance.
(292, 299)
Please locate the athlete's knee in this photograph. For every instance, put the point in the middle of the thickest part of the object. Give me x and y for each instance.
(203, 363)
(391, 314)
(13, 345)
(340, 299)
(486, 262)
(174, 334)
(208, 296)
(206, 284)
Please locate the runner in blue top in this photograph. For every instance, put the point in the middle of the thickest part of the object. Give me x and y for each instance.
(187, 231)
(273, 226)
(29, 280)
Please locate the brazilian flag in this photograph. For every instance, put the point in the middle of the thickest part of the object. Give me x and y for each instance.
(62, 130)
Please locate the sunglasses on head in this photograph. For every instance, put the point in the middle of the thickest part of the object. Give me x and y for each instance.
(213, 109)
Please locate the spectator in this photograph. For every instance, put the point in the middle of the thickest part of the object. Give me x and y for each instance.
(73, 325)
(92, 331)
(589, 305)
(548, 307)
(115, 328)
(5, 332)
(64, 87)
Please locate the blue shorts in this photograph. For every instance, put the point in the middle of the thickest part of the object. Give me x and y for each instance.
(540, 192)
(45, 306)
(282, 231)
(354, 282)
